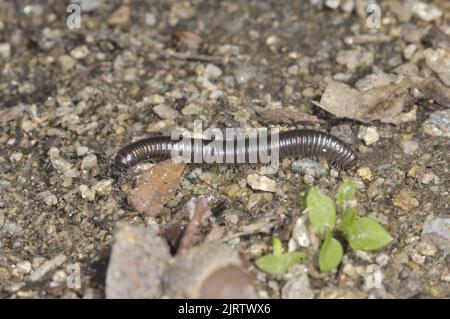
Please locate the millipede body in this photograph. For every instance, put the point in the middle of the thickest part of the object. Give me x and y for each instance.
(294, 143)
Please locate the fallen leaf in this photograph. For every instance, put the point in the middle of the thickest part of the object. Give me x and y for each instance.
(384, 104)
(156, 187)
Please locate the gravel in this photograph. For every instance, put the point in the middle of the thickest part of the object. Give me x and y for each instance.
(72, 97)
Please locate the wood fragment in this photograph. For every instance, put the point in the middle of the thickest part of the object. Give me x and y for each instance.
(201, 207)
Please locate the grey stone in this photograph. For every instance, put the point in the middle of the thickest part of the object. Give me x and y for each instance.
(438, 124)
(344, 132)
(437, 231)
(308, 167)
(138, 260)
(297, 287)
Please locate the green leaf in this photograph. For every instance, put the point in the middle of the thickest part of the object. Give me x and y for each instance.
(278, 265)
(330, 253)
(367, 234)
(321, 210)
(277, 246)
(346, 193)
(348, 216)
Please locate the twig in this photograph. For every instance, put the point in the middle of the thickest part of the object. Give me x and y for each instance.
(201, 207)
(262, 228)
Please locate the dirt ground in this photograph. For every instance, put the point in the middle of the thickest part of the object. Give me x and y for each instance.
(71, 97)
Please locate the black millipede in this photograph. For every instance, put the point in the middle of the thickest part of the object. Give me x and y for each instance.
(294, 143)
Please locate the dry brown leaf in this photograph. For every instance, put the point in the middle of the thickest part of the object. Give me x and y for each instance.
(156, 188)
(384, 104)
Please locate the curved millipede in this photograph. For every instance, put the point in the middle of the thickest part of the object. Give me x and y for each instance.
(295, 143)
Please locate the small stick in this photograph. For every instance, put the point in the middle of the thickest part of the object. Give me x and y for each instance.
(201, 207)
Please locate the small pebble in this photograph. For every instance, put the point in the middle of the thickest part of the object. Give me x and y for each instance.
(405, 200)
(82, 150)
(409, 51)
(66, 62)
(439, 62)
(192, 109)
(24, 267)
(261, 183)
(308, 167)
(212, 72)
(5, 50)
(438, 124)
(368, 134)
(16, 156)
(426, 11)
(86, 192)
(374, 279)
(12, 229)
(437, 232)
(103, 187)
(382, 259)
(165, 112)
(333, 4)
(409, 147)
(51, 199)
(150, 19)
(427, 249)
(89, 162)
(355, 59)
(80, 52)
(344, 132)
(297, 287)
(121, 16)
(365, 173)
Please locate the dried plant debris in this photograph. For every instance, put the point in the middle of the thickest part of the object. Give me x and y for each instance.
(385, 104)
(156, 187)
(288, 115)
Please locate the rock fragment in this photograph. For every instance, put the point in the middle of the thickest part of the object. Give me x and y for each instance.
(138, 260)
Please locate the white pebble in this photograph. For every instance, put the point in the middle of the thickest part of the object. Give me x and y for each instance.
(82, 150)
(369, 134)
(89, 162)
(262, 183)
(212, 72)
